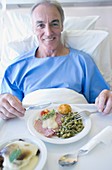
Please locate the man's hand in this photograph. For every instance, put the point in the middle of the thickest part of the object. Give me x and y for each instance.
(104, 101)
(10, 107)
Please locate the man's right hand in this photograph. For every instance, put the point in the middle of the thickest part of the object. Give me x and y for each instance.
(10, 107)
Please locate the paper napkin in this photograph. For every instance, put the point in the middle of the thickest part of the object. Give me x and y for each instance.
(104, 136)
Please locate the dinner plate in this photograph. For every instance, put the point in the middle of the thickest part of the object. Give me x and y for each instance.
(55, 139)
(34, 140)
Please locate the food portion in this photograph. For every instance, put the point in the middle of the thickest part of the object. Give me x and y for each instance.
(48, 122)
(63, 122)
(64, 109)
(19, 155)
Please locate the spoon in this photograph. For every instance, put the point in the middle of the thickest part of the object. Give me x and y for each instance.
(71, 159)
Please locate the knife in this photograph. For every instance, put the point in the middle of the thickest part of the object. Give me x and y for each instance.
(37, 106)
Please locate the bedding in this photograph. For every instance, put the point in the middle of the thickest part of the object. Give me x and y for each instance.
(55, 95)
(93, 42)
(80, 23)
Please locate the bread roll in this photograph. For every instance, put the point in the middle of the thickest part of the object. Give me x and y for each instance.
(64, 108)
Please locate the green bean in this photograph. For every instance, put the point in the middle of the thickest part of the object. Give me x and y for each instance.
(70, 125)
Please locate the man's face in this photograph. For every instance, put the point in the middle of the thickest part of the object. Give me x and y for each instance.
(47, 26)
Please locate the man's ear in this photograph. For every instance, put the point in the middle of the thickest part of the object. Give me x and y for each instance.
(62, 28)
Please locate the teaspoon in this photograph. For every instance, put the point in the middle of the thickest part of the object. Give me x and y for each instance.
(70, 159)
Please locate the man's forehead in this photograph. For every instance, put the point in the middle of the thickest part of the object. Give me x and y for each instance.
(46, 11)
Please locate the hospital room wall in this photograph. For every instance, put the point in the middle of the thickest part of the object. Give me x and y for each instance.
(105, 13)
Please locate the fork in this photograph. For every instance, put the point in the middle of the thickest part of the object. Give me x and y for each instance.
(85, 114)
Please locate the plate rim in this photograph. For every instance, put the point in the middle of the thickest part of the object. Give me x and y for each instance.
(33, 131)
(32, 139)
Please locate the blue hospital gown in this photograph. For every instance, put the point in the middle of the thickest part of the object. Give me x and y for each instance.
(76, 71)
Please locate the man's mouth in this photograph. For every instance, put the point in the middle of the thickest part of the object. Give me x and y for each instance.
(49, 39)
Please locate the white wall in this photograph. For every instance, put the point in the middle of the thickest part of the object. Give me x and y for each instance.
(105, 13)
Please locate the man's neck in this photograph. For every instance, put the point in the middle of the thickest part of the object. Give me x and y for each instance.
(61, 51)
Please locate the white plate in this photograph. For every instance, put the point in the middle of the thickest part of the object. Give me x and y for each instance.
(54, 139)
(31, 139)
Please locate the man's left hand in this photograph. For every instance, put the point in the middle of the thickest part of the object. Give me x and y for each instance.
(104, 101)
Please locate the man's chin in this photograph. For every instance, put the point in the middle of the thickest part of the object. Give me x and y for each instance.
(50, 48)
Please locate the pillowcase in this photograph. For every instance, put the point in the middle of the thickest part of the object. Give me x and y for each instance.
(94, 42)
(80, 23)
(16, 24)
(25, 44)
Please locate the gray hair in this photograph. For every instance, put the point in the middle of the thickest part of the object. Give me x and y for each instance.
(50, 2)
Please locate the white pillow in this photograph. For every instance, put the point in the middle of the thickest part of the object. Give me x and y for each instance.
(56, 95)
(25, 44)
(80, 23)
(16, 24)
(94, 42)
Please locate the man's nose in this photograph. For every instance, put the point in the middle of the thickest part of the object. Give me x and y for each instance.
(48, 30)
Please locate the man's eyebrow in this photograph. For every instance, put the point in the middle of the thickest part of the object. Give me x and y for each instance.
(55, 20)
(39, 22)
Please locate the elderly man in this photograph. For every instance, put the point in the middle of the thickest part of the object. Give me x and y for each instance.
(51, 65)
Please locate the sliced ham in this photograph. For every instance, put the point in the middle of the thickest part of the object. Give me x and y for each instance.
(46, 131)
(58, 118)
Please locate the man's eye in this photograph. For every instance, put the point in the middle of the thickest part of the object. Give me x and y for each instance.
(40, 25)
(55, 24)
